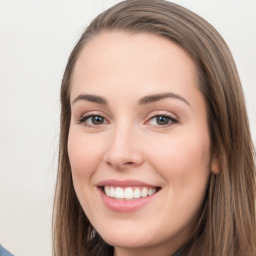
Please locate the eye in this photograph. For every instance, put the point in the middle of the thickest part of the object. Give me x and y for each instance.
(93, 120)
(162, 120)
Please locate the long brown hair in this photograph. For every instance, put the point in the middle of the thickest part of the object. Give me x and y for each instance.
(227, 225)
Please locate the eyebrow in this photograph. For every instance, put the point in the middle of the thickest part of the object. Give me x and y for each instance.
(143, 101)
(156, 97)
(91, 98)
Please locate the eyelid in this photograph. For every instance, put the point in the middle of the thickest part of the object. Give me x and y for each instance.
(84, 116)
(163, 113)
(94, 113)
(174, 119)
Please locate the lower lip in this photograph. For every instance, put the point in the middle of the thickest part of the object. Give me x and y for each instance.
(122, 205)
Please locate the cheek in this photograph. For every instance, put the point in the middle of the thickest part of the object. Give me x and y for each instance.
(84, 159)
(83, 154)
(184, 164)
(184, 161)
(184, 153)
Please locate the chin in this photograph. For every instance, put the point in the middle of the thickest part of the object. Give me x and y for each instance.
(126, 239)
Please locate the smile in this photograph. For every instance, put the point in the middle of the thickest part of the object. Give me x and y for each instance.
(128, 193)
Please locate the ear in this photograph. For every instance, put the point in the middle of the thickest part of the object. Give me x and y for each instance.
(215, 165)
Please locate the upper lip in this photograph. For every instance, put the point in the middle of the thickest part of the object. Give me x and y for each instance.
(124, 183)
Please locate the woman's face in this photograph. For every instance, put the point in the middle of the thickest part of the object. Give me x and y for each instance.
(138, 144)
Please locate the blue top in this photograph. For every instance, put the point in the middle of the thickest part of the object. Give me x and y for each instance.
(178, 253)
(4, 252)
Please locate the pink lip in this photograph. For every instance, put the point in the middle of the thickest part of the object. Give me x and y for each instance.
(124, 183)
(122, 205)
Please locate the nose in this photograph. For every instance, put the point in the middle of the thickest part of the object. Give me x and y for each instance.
(124, 150)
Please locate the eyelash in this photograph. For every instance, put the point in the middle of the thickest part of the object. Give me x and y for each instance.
(170, 120)
(86, 117)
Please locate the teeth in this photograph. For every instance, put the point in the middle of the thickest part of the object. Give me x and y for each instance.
(144, 192)
(151, 191)
(128, 192)
(112, 192)
(107, 191)
(119, 193)
(136, 193)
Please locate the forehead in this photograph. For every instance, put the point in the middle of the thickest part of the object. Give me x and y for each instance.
(132, 60)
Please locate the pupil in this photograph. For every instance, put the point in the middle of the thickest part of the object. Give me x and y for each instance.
(162, 120)
(97, 120)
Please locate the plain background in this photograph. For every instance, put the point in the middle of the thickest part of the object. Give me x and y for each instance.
(36, 37)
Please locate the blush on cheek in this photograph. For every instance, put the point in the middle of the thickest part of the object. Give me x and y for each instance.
(184, 158)
(83, 154)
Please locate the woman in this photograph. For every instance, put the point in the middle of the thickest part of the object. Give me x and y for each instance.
(156, 156)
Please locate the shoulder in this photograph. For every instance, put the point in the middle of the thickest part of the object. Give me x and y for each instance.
(4, 252)
(178, 253)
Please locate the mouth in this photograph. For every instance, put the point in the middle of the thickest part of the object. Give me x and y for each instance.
(129, 193)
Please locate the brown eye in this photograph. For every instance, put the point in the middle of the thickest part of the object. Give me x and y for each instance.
(97, 120)
(162, 120)
(93, 120)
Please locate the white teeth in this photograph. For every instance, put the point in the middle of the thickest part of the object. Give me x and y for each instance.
(136, 193)
(111, 192)
(128, 192)
(151, 191)
(144, 192)
(107, 190)
(119, 193)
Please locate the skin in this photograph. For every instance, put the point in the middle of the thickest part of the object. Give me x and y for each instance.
(130, 143)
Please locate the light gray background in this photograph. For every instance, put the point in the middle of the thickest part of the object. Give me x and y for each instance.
(36, 37)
